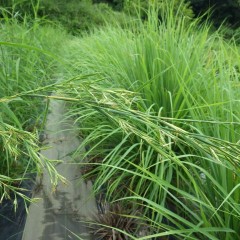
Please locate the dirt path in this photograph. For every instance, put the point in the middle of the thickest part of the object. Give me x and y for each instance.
(57, 213)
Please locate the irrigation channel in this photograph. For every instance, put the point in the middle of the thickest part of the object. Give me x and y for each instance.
(60, 213)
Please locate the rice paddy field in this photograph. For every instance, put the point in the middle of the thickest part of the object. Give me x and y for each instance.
(157, 104)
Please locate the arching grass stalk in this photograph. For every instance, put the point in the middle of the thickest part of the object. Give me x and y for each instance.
(21, 157)
(20, 148)
(172, 172)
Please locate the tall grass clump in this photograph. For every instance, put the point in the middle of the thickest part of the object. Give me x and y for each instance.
(28, 63)
(160, 121)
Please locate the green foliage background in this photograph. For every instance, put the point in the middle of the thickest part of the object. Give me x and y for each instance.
(79, 15)
(75, 15)
(222, 9)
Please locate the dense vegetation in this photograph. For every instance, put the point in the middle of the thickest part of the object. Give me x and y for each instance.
(222, 9)
(157, 106)
(79, 15)
(27, 66)
(74, 15)
(162, 125)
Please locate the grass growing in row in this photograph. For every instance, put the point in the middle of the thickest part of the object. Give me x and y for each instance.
(161, 122)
